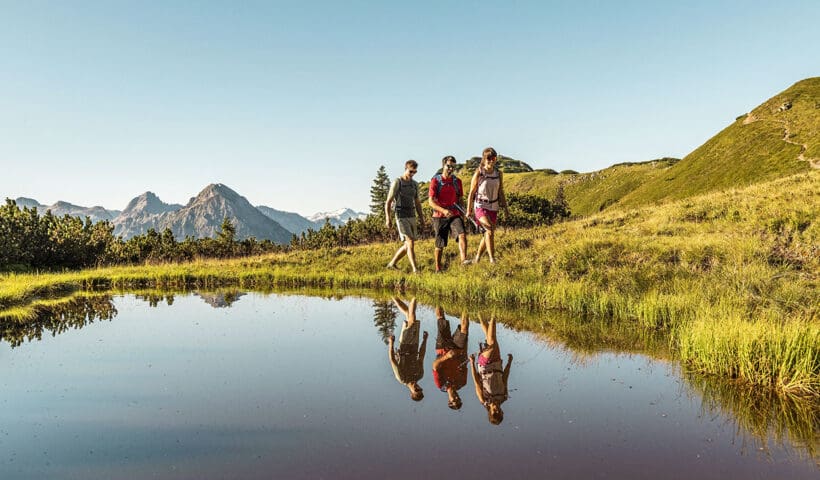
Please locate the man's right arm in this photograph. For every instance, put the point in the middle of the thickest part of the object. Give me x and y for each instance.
(434, 202)
(388, 204)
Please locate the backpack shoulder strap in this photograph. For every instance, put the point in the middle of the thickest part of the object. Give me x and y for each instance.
(437, 177)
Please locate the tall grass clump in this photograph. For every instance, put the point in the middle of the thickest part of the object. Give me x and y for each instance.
(784, 355)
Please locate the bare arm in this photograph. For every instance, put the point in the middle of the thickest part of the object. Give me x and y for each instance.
(444, 211)
(423, 348)
(419, 213)
(437, 363)
(390, 350)
(476, 380)
(507, 371)
(502, 199)
(471, 195)
(388, 204)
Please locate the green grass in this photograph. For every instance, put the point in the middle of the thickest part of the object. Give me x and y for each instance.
(588, 193)
(730, 278)
(750, 150)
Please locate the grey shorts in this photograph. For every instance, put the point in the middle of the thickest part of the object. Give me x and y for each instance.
(409, 335)
(408, 228)
(444, 227)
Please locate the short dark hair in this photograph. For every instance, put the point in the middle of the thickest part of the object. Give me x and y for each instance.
(447, 159)
(411, 163)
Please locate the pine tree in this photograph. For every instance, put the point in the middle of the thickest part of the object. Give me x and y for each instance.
(378, 192)
(384, 318)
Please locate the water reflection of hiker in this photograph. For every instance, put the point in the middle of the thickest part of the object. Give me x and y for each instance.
(408, 360)
(404, 195)
(485, 197)
(450, 366)
(444, 194)
(489, 377)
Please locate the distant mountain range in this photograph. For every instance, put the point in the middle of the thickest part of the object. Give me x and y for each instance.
(201, 217)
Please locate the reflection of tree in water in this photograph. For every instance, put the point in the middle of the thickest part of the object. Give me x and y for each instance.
(761, 415)
(384, 317)
(154, 299)
(59, 318)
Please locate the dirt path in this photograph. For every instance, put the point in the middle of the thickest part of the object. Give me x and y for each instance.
(801, 157)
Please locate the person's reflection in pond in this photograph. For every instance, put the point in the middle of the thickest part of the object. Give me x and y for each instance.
(489, 377)
(408, 360)
(450, 366)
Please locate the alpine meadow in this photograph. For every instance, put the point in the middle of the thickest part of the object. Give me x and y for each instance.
(717, 252)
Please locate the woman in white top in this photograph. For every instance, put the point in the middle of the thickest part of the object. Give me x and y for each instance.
(486, 196)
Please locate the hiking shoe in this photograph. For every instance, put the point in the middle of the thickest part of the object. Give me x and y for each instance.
(467, 262)
(390, 266)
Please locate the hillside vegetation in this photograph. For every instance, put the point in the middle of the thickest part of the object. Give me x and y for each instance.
(781, 137)
(588, 193)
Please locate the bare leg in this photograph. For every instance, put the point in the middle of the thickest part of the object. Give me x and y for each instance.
(411, 312)
(483, 324)
(465, 322)
(410, 245)
(491, 331)
(487, 240)
(462, 246)
(399, 253)
(480, 250)
(489, 237)
(437, 256)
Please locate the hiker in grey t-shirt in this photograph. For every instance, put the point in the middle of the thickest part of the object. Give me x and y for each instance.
(404, 195)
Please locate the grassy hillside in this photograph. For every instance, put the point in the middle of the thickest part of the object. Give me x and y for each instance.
(588, 193)
(781, 137)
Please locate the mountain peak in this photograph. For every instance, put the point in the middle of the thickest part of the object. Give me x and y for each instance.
(148, 202)
(216, 190)
(336, 217)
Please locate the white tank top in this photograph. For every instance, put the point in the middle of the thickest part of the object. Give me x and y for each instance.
(486, 196)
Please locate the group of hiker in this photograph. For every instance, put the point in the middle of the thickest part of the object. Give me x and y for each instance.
(446, 198)
(450, 366)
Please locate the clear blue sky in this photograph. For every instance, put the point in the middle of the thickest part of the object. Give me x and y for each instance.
(295, 105)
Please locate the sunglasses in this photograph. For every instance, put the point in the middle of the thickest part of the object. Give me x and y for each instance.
(450, 166)
(413, 171)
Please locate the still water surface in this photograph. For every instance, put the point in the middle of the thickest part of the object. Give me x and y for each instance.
(275, 386)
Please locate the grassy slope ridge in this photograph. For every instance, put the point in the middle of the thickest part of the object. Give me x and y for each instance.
(763, 145)
(770, 142)
(588, 193)
(731, 276)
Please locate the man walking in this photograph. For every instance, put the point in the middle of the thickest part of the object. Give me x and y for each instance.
(444, 194)
(404, 196)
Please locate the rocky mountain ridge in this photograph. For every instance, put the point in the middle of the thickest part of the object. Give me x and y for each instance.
(201, 217)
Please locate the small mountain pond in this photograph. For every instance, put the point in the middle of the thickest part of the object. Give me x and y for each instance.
(254, 385)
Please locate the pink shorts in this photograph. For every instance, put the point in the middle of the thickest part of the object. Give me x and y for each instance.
(492, 215)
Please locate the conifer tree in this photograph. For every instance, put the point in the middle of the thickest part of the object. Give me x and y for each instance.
(384, 318)
(378, 192)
